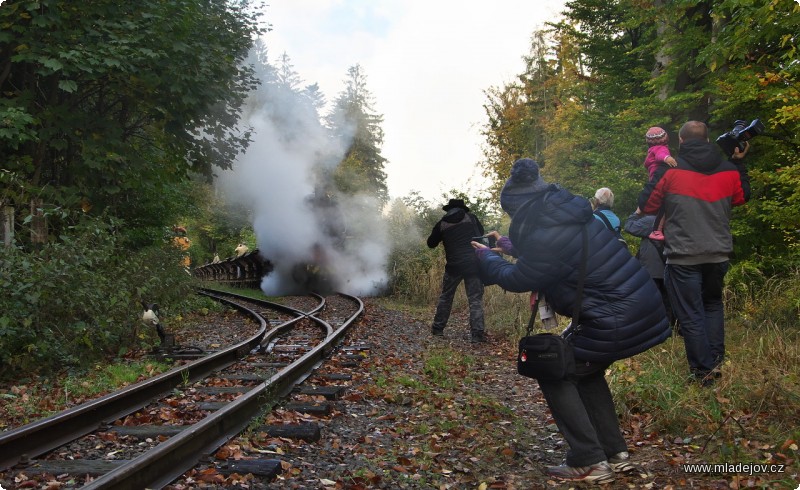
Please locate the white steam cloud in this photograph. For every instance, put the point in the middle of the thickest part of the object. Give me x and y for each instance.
(305, 228)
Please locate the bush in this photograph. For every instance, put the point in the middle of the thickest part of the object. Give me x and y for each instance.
(77, 299)
(757, 298)
(416, 273)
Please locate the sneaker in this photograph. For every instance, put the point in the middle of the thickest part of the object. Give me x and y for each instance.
(597, 473)
(656, 235)
(621, 462)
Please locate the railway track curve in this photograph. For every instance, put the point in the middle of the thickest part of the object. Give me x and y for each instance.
(290, 343)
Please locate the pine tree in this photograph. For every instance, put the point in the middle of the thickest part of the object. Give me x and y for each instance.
(353, 119)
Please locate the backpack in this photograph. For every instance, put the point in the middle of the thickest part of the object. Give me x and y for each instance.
(603, 217)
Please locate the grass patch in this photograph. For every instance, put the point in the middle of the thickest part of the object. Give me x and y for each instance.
(28, 401)
(111, 377)
(446, 368)
(246, 292)
(749, 416)
(416, 311)
(751, 413)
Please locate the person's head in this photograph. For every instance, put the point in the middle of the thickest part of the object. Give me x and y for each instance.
(455, 204)
(693, 130)
(603, 197)
(523, 184)
(656, 136)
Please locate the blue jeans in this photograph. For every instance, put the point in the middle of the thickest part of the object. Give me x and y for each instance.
(584, 412)
(474, 289)
(695, 294)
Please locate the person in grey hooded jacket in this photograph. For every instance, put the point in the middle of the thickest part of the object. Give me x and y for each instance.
(621, 313)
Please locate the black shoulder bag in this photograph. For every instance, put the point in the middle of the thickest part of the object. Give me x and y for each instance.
(547, 356)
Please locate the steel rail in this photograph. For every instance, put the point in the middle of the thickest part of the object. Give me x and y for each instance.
(276, 306)
(41, 436)
(178, 454)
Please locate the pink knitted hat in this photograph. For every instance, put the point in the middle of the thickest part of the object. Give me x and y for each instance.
(656, 136)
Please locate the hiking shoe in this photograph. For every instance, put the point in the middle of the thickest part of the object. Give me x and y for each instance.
(597, 473)
(656, 235)
(706, 379)
(478, 338)
(621, 462)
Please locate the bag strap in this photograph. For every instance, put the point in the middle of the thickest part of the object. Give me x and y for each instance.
(576, 311)
(534, 309)
(603, 217)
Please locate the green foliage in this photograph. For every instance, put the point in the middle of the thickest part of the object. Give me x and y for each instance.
(77, 299)
(610, 70)
(759, 298)
(215, 225)
(353, 118)
(111, 103)
(410, 262)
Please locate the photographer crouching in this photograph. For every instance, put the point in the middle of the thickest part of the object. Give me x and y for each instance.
(620, 310)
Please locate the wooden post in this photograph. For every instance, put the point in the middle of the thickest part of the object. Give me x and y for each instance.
(8, 225)
(38, 222)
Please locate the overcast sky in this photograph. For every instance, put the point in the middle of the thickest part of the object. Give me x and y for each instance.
(427, 65)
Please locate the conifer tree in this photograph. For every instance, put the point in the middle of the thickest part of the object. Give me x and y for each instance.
(353, 118)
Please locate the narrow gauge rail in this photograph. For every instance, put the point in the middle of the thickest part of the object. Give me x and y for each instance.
(184, 445)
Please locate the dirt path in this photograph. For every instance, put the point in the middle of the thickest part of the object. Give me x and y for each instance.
(439, 412)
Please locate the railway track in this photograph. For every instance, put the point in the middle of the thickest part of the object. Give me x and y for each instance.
(149, 434)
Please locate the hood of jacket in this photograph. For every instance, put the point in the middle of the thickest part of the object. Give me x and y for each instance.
(702, 156)
(553, 207)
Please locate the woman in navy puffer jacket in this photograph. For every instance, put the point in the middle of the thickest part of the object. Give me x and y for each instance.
(621, 312)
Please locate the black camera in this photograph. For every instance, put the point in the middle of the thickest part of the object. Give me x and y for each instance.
(488, 240)
(740, 133)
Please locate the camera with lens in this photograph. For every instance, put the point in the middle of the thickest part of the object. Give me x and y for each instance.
(736, 137)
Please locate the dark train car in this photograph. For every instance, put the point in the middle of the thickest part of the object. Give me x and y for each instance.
(245, 271)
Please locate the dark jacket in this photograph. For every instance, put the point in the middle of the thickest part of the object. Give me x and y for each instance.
(456, 230)
(697, 197)
(651, 253)
(621, 312)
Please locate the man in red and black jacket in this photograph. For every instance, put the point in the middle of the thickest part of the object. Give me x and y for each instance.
(696, 198)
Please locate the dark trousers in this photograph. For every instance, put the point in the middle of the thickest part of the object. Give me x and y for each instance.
(662, 288)
(695, 294)
(584, 412)
(474, 288)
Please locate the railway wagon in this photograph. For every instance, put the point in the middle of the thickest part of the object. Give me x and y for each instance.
(244, 271)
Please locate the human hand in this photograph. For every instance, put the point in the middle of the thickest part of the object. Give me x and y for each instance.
(477, 245)
(481, 250)
(739, 154)
(505, 246)
(669, 160)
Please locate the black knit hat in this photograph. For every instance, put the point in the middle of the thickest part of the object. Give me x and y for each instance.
(523, 184)
(455, 203)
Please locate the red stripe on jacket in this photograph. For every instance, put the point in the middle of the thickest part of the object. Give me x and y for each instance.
(704, 187)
